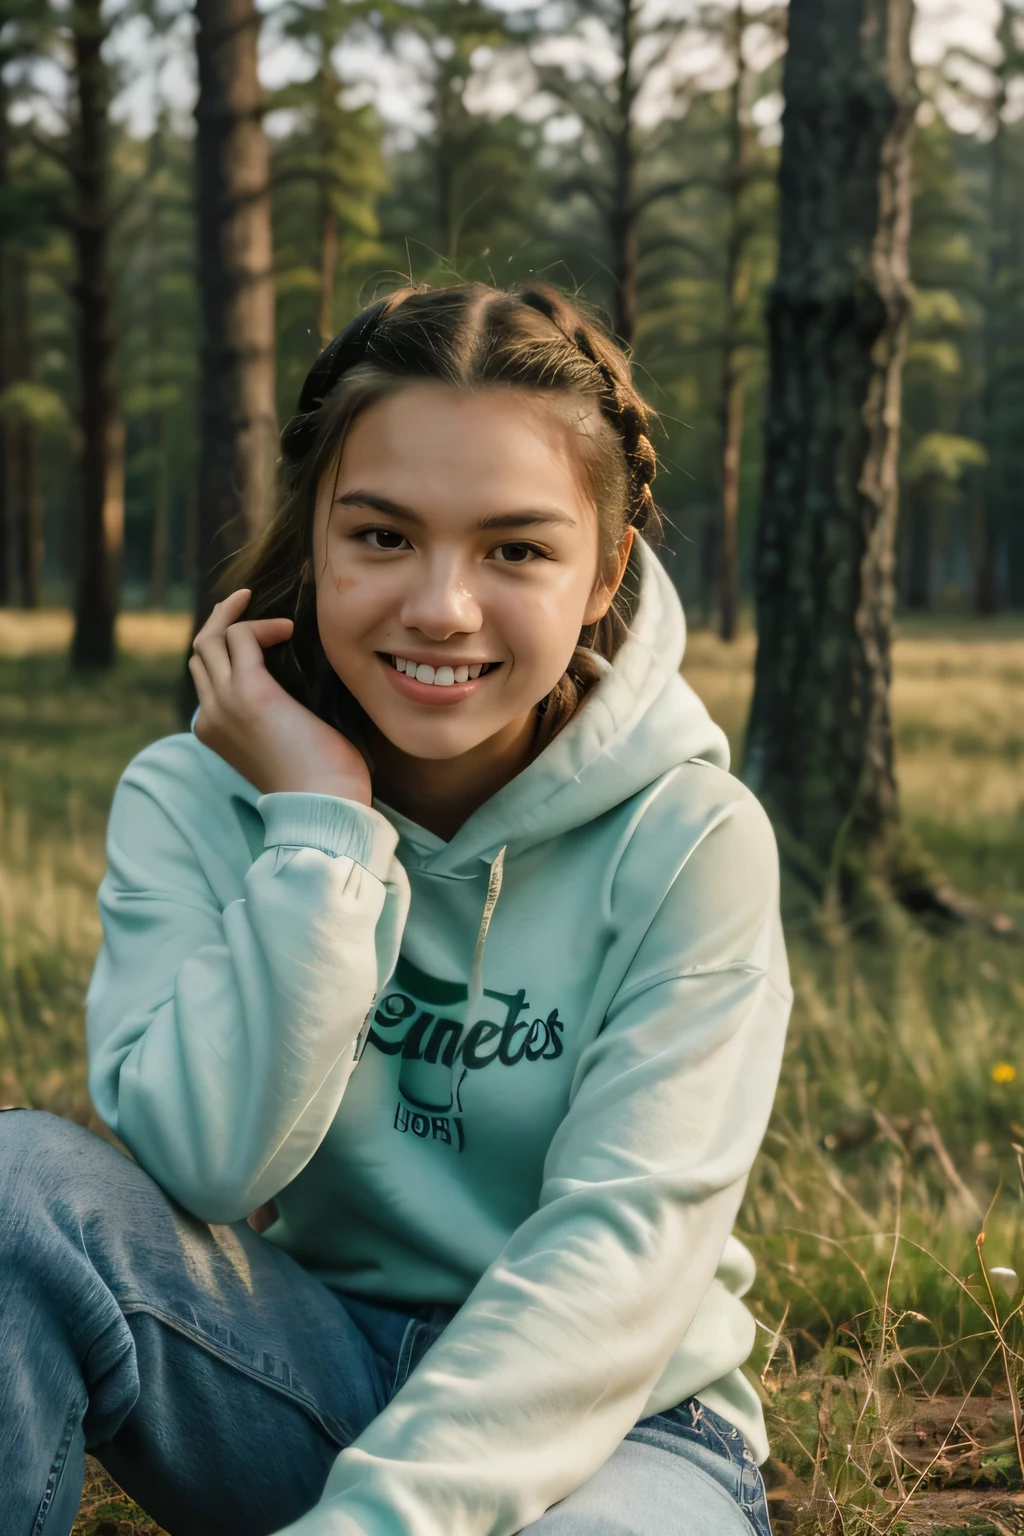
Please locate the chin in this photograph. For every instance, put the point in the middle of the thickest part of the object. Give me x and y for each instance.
(432, 745)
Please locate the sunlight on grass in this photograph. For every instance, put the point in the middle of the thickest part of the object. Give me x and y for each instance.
(883, 1354)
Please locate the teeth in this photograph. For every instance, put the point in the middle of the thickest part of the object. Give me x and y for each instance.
(440, 677)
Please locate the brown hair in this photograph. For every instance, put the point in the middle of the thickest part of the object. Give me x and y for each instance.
(469, 336)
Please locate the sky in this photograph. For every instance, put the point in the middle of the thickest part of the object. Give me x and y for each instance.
(959, 32)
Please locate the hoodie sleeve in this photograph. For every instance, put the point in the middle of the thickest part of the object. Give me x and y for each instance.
(552, 1358)
(221, 1040)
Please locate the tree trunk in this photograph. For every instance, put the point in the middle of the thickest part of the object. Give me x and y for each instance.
(919, 550)
(729, 562)
(101, 524)
(158, 554)
(732, 399)
(989, 491)
(29, 544)
(328, 265)
(1015, 563)
(238, 417)
(23, 446)
(623, 221)
(819, 745)
(156, 596)
(7, 557)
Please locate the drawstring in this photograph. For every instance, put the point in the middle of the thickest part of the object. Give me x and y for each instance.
(476, 975)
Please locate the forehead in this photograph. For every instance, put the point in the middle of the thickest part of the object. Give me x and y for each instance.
(445, 452)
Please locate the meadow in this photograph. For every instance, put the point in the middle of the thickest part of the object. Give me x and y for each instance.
(891, 1345)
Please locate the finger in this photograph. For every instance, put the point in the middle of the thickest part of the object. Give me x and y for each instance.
(247, 642)
(226, 612)
(244, 650)
(209, 643)
(271, 631)
(201, 678)
(229, 611)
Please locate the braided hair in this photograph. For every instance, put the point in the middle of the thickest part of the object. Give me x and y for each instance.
(469, 336)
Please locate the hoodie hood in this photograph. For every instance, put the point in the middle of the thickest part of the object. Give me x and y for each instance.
(638, 722)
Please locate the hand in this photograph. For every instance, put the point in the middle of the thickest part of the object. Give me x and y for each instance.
(254, 724)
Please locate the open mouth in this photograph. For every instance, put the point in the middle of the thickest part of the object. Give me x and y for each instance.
(443, 676)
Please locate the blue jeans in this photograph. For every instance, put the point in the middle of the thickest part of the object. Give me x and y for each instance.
(217, 1380)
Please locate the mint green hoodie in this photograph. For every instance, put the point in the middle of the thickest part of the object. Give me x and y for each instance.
(526, 1070)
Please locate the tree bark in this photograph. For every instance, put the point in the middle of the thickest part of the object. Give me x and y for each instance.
(7, 555)
(1015, 563)
(238, 417)
(819, 744)
(101, 523)
(23, 447)
(328, 264)
(733, 379)
(623, 214)
(919, 550)
(989, 490)
(159, 548)
(156, 595)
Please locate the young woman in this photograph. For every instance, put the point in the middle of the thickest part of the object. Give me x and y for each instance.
(445, 950)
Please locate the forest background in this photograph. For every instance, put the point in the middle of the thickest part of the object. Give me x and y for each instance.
(443, 138)
(167, 276)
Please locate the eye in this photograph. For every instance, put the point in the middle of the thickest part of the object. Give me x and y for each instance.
(517, 554)
(383, 538)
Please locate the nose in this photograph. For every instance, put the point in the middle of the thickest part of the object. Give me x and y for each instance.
(440, 601)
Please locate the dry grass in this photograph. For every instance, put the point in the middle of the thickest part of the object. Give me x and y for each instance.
(47, 632)
(902, 1094)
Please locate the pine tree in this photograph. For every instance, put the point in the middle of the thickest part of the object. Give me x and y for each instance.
(24, 407)
(101, 529)
(238, 418)
(618, 145)
(328, 170)
(941, 454)
(819, 743)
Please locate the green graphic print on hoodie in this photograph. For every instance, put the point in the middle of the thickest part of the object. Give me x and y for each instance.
(526, 1070)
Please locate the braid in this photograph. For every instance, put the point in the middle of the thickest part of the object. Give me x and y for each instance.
(620, 404)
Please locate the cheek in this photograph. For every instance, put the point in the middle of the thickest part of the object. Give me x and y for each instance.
(543, 626)
(340, 601)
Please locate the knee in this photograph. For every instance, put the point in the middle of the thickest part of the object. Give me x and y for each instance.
(47, 1164)
(34, 1143)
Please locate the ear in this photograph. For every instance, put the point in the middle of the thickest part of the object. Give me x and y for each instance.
(609, 578)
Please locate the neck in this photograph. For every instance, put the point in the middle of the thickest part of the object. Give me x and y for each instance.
(441, 794)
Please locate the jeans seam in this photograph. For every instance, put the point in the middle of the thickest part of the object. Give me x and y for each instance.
(57, 1466)
(336, 1429)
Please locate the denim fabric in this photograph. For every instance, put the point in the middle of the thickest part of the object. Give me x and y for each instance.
(216, 1379)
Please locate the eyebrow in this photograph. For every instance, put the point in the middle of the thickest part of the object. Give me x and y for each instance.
(525, 519)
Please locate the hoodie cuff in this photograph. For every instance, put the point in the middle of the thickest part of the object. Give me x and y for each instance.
(340, 828)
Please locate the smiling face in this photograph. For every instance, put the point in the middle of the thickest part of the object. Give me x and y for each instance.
(456, 558)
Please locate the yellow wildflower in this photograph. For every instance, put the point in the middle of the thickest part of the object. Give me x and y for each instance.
(1003, 1072)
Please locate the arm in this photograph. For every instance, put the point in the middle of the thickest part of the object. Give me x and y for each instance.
(551, 1360)
(221, 1042)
